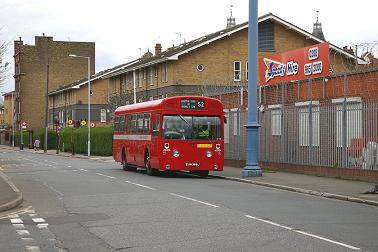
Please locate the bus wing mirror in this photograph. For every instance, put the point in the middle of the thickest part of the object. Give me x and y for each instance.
(225, 120)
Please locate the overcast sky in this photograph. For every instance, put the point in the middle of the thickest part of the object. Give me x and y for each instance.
(120, 28)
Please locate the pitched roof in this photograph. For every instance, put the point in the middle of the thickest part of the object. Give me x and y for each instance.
(174, 52)
(93, 77)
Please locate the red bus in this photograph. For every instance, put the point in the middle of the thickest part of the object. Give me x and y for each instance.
(170, 134)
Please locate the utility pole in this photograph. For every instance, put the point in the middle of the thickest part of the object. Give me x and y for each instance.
(46, 106)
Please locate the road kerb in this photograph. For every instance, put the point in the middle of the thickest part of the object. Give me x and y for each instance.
(301, 190)
(15, 202)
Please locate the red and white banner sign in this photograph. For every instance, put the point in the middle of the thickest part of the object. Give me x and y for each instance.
(304, 63)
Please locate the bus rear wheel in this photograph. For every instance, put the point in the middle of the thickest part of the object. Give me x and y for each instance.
(125, 166)
(147, 164)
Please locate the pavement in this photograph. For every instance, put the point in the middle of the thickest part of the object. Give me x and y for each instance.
(348, 190)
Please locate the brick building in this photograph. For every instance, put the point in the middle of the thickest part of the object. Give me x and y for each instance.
(70, 101)
(8, 118)
(45, 62)
(215, 64)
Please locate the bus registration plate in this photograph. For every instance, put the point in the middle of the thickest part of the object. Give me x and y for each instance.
(192, 164)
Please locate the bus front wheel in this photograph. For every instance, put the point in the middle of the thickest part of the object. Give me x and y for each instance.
(203, 174)
(150, 171)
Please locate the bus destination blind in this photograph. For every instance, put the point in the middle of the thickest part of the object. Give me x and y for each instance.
(192, 104)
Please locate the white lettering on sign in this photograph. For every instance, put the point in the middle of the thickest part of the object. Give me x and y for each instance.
(317, 67)
(313, 53)
(291, 68)
(308, 69)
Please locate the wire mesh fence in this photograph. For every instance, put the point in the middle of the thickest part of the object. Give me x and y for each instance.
(331, 121)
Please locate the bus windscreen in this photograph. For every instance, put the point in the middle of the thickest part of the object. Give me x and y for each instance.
(191, 127)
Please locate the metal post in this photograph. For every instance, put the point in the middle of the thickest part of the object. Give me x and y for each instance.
(310, 126)
(252, 167)
(89, 107)
(12, 121)
(344, 126)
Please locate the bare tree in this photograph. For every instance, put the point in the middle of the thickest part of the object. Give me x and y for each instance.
(3, 65)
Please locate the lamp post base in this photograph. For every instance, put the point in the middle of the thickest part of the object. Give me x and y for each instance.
(251, 171)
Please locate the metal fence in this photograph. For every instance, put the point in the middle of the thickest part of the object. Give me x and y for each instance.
(339, 134)
(342, 133)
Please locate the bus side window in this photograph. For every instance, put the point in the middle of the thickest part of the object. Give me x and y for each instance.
(116, 123)
(155, 125)
(146, 124)
(127, 123)
(133, 126)
(140, 123)
(121, 124)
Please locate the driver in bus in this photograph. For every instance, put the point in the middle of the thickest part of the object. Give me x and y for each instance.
(175, 126)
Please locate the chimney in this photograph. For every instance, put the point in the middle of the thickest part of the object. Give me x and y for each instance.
(157, 48)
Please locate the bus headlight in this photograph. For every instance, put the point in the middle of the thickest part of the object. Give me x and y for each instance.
(209, 154)
(176, 153)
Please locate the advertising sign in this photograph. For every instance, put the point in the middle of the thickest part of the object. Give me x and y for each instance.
(304, 63)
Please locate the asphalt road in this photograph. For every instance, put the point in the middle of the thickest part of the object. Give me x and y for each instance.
(76, 204)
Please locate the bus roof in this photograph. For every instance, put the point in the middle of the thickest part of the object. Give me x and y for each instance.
(156, 104)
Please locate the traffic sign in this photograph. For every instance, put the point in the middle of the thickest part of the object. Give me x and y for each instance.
(93, 125)
(70, 122)
(24, 125)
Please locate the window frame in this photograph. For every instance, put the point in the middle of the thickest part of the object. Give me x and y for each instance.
(237, 72)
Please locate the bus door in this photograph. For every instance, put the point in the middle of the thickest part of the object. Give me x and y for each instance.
(154, 148)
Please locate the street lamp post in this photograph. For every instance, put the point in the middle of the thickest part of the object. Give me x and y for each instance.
(89, 99)
(252, 167)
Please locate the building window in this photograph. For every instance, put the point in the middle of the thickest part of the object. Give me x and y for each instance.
(276, 119)
(151, 76)
(266, 36)
(103, 115)
(140, 100)
(353, 125)
(237, 70)
(139, 74)
(144, 73)
(164, 71)
(156, 71)
(304, 123)
(246, 71)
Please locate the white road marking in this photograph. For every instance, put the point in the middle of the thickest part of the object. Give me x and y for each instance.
(23, 232)
(13, 216)
(83, 170)
(32, 215)
(304, 233)
(106, 176)
(69, 166)
(27, 239)
(44, 225)
(32, 249)
(18, 226)
(198, 201)
(38, 220)
(151, 188)
(16, 221)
